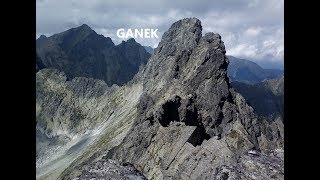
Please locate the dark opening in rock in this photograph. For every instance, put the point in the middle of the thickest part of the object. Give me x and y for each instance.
(192, 118)
(170, 112)
(198, 136)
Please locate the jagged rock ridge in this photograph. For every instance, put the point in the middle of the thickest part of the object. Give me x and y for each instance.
(188, 115)
(184, 121)
(81, 52)
(245, 71)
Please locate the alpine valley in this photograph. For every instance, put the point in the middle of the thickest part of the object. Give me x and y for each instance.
(106, 111)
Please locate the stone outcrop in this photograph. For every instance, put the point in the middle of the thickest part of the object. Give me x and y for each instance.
(110, 169)
(189, 121)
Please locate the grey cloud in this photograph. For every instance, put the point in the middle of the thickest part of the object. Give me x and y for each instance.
(251, 29)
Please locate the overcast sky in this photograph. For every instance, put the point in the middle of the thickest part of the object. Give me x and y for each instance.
(250, 29)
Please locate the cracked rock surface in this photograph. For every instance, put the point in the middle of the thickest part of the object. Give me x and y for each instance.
(110, 169)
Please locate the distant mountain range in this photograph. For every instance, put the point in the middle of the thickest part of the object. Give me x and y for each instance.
(81, 52)
(246, 71)
(266, 97)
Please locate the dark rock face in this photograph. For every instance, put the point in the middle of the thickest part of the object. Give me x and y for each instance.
(81, 52)
(266, 98)
(39, 63)
(245, 71)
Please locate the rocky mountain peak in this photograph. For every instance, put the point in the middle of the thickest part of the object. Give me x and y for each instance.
(182, 35)
(81, 52)
(184, 54)
(84, 27)
(42, 37)
(131, 40)
(185, 82)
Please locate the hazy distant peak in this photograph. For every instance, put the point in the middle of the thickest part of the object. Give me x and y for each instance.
(85, 27)
(243, 70)
(131, 40)
(149, 49)
(42, 37)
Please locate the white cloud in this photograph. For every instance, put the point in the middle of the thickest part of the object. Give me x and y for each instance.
(251, 29)
(243, 50)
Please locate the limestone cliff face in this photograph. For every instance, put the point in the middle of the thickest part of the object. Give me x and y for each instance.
(178, 119)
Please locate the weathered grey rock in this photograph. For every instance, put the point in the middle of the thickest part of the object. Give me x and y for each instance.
(185, 81)
(63, 101)
(272, 134)
(78, 119)
(178, 119)
(260, 167)
(110, 170)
